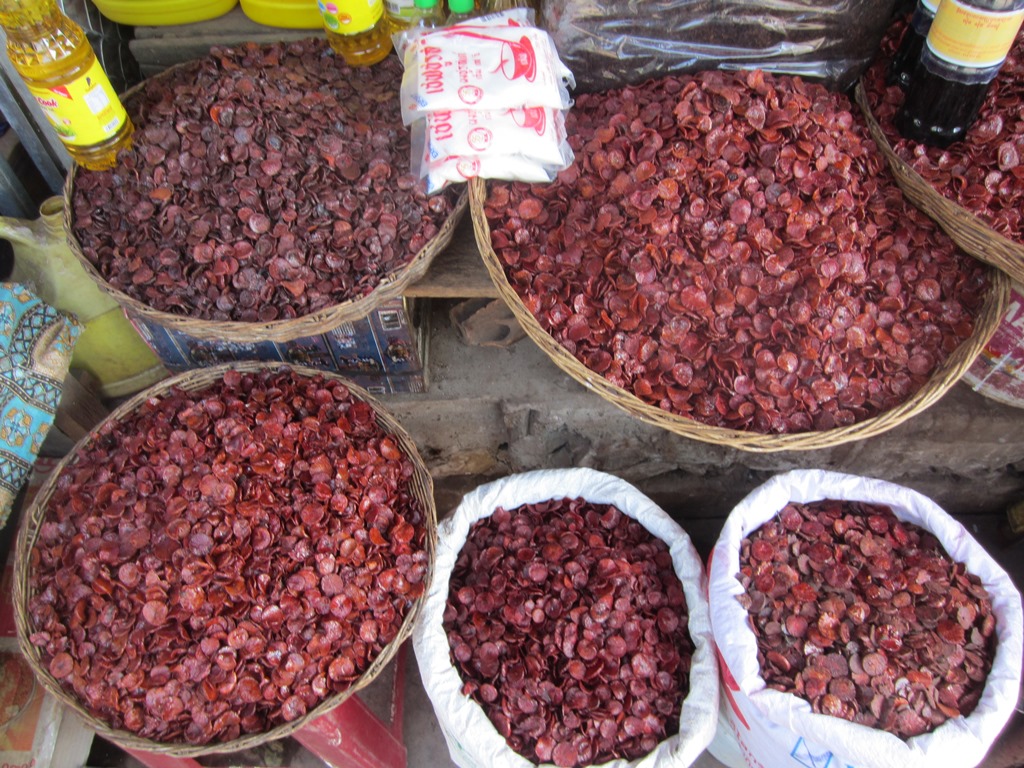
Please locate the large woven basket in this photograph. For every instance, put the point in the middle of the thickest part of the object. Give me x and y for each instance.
(391, 287)
(421, 488)
(944, 377)
(972, 234)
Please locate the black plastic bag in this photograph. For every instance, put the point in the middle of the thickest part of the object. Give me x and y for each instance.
(611, 43)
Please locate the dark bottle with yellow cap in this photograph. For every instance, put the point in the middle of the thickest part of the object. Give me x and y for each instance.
(966, 46)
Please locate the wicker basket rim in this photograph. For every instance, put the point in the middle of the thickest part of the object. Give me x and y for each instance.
(390, 285)
(421, 485)
(944, 378)
(970, 232)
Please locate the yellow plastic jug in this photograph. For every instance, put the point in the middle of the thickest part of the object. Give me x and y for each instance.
(157, 13)
(109, 348)
(289, 14)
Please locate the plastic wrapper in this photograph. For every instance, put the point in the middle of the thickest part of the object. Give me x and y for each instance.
(473, 741)
(779, 729)
(612, 43)
(482, 67)
(523, 144)
(454, 170)
(998, 372)
(515, 17)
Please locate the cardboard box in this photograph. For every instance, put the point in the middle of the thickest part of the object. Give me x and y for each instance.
(386, 349)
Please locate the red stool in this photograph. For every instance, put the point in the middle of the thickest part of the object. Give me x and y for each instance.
(349, 736)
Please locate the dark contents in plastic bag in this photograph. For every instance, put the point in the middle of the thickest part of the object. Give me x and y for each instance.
(568, 625)
(866, 617)
(607, 44)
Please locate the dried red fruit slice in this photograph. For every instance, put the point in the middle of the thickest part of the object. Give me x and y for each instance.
(216, 617)
(572, 644)
(750, 257)
(869, 605)
(291, 226)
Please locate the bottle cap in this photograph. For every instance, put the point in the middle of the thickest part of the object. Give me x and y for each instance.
(460, 6)
(425, 3)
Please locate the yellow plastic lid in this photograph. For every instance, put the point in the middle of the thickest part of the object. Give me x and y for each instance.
(158, 13)
(290, 14)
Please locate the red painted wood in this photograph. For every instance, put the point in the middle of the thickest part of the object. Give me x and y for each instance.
(351, 736)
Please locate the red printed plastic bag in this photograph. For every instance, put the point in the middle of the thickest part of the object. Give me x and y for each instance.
(537, 133)
(483, 68)
(523, 144)
(454, 170)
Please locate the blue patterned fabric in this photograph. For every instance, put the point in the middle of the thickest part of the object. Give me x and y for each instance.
(36, 342)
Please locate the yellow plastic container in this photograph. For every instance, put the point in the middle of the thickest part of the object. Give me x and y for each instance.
(290, 14)
(161, 13)
(109, 348)
(61, 71)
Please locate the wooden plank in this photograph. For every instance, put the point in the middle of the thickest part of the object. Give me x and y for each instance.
(458, 271)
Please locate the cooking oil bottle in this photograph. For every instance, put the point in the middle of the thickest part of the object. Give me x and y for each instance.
(428, 14)
(357, 30)
(53, 56)
(460, 11)
(399, 13)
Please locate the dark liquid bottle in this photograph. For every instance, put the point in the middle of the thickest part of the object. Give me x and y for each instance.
(907, 55)
(963, 52)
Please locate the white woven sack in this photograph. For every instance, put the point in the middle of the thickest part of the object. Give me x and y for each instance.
(779, 730)
(472, 740)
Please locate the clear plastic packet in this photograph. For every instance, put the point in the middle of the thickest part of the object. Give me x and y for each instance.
(444, 171)
(452, 147)
(535, 133)
(483, 67)
(511, 17)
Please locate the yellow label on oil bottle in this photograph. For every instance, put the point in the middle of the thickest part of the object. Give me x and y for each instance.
(971, 37)
(350, 17)
(83, 111)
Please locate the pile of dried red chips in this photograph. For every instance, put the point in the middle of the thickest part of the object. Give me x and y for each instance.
(264, 183)
(730, 247)
(569, 627)
(866, 617)
(221, 561)
(984, 173)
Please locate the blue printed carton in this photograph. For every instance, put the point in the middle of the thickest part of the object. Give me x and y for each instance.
(382, 352)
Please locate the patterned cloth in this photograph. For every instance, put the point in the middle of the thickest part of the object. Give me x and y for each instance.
(36, 342)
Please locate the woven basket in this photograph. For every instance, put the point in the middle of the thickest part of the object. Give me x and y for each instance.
(944, 377)
(391, 287)
(421, 487)
(968, 231)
